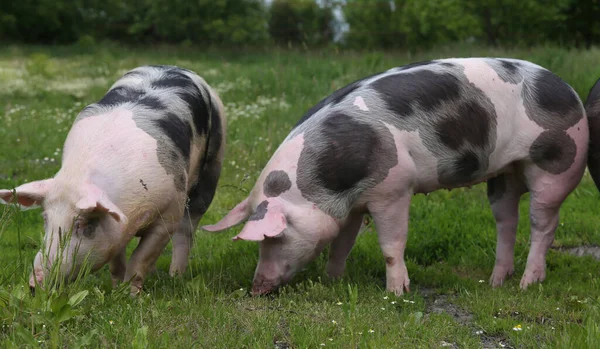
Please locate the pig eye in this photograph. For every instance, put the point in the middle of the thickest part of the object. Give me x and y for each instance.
(86, 227)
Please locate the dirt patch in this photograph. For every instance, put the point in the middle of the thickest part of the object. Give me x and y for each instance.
(580, 251)
(439, 303)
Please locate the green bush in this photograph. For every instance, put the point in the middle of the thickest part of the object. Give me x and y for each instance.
(300, 21)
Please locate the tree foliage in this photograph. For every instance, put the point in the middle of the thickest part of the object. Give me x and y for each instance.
(301, 21)
(407, 24)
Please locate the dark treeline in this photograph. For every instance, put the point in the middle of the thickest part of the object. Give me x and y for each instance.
(408, 24)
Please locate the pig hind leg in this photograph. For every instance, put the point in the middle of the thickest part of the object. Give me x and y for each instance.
(391, 222)
(200, 198)
(342, 245)
(504, 194)
(547, 194)
(182, 243)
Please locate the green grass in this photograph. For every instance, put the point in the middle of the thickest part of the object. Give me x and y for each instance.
(450, 249)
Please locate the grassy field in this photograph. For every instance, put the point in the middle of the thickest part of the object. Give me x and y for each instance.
(451, 245)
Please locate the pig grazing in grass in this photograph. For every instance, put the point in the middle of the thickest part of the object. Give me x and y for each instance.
(373, 144)
(143, 161)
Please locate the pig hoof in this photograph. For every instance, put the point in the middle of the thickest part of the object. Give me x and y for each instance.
(530, 277)
(135, 291)
(335, 271)
(499, 275)
(176, 271)
(400, 288)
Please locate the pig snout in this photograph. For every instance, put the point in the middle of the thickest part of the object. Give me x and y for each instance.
(36, 278)
(263, 285)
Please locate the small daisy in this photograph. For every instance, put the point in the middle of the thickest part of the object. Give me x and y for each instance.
(333, 322)
(322, 344)
(517, 328)
(382, 308)
(479, 332)
(371, 331)
(393, 302)
(330, 339)
(339, 303)
(386, 297)
(405, 300)
(481, 281)
(111, 322)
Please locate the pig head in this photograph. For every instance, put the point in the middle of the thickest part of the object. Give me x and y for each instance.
(81, 226)
(289, 235)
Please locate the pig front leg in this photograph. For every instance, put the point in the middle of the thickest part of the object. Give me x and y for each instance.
(342, 245)
(504, 193)
(151, 245)
(391, 222)
(118, 267)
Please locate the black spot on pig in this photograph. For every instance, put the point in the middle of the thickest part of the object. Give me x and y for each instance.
(120, 95)
(507, 71)
(343, 162)
(459, 170)
(343, 155)
(470, 124)
(86, 227)
(152, 102)
(260, 212)
(174, 78)
(203, 191)
(550, 102)
(496, 187)
(421, 89)
(197, 105)
(179, 131)
(511, 67)
(276, 183)
(553, 151)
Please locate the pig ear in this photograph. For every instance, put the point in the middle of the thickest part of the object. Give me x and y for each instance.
(272, 225)
(96, 201)
(237, 215)
(29, 195)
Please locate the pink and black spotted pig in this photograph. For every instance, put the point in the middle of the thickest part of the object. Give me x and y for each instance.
(370, 146)
(143, 161)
